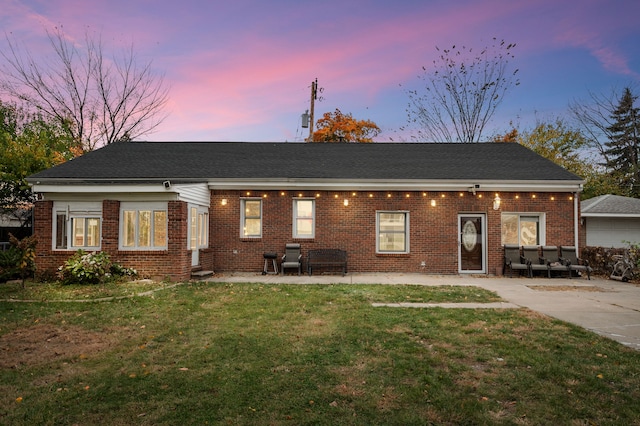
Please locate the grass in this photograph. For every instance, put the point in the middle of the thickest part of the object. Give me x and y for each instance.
(256, 354)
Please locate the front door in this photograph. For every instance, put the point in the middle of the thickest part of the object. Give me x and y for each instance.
(471, 254)
(193, 236)
(198, 232)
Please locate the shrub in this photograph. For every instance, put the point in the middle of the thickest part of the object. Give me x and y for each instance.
(19, 260)
(9, 264)
(91, 268)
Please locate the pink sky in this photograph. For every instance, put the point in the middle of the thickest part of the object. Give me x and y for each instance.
(241, 70)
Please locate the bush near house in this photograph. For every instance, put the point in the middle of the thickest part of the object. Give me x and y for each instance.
(91, 268)
(19, 260)
(9, 264)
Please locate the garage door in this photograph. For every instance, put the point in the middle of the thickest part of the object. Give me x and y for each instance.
(612, 232)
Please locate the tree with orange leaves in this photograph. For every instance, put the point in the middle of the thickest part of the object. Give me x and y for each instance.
(339, 127)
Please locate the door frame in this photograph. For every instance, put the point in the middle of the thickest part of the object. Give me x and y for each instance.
(483, 230)
(198, 231)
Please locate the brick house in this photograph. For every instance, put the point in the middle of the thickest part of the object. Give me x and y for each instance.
(165, 208)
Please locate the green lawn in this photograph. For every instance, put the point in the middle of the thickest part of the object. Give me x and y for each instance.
(258, 354)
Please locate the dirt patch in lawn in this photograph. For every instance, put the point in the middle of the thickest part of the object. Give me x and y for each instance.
(588, 288)
(44, 343)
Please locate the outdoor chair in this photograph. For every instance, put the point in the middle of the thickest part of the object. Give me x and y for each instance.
(292, 258)
(551, 257)
(570, 258)
(532, 255)
(514, 261)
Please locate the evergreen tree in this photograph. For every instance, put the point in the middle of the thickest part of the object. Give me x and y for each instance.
(624, 143)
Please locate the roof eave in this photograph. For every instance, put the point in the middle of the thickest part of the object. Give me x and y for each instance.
(398, 185)
(611, 215)
(77, 186)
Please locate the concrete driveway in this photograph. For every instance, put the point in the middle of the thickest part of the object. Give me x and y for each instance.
(608, 308)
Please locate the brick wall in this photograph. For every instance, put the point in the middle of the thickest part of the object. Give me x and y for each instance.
(433, 236)
(433, 230)
(173, 263)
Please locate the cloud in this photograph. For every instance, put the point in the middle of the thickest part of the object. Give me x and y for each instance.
(233, 66)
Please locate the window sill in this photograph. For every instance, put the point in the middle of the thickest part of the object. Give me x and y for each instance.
(74, 249)
(393, 254)
(142, 250)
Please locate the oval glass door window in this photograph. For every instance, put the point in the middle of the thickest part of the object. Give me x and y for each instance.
(469, 236)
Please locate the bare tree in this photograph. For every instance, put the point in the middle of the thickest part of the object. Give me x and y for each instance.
(595, 116)
(461, 93)
(104, 99)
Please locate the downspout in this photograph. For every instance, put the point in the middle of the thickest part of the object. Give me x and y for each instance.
(576, 219)
(576, 223)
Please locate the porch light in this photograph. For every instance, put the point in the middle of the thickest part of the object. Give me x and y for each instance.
(433, 203)
(346, 202)
(223, 202)
(496, 202)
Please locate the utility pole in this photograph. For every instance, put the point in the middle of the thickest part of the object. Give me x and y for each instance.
(314, 97)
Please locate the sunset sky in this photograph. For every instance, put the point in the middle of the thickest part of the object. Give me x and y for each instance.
(241, 70)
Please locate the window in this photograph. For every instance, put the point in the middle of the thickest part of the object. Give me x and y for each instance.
(393, 232)
(251, 218)
(303, 218)
(203, 227)
(523, 229)
(77, 225)
(198, 227)
(143, 226)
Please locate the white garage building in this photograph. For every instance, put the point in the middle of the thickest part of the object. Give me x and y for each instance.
(611, 220)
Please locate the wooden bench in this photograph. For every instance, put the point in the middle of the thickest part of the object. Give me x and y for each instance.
(327, 258)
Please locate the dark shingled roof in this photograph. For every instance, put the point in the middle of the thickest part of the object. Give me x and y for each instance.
(205, 161)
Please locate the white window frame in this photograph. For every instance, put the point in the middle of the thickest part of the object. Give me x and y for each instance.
(198, 227)
(296, 234)
(405, 232)
(70, 212)
(541, 227)
(137, 207)
(243, 217)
